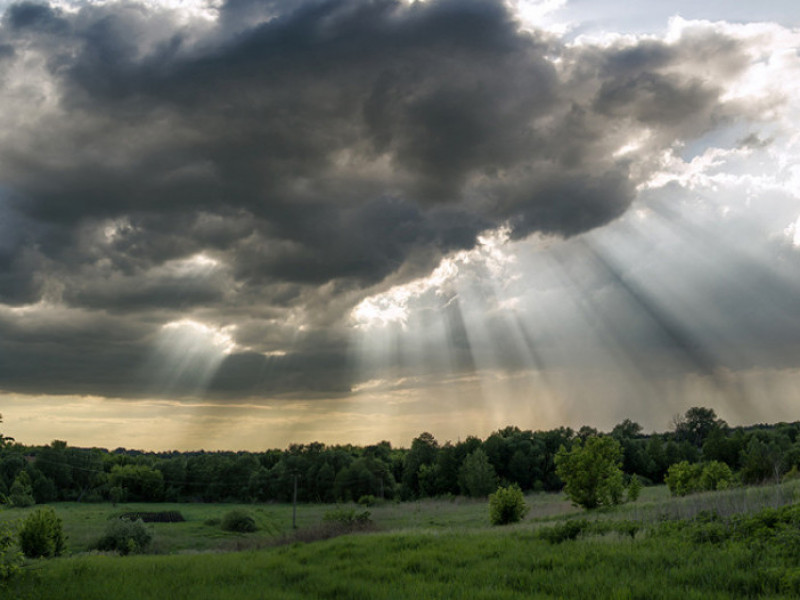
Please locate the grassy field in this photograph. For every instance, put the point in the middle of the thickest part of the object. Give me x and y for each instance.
(435, 549)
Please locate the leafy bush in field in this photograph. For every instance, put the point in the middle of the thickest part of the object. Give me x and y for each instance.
(239, 520)
(368, 500)
(684, 478)
(10, 556)
(507, 505)
(125, 537)
(634, 488)
(716, 476)
(591, 472)
(568, 530)
(164, 516)
(346, 516)
(42, 534)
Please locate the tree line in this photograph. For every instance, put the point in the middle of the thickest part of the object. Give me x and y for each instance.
(428, 468)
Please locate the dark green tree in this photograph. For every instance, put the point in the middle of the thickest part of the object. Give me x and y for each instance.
(4, 440)
(424, 450)
(697, 424)
(140, 482)
(477, 477)
(21, 494)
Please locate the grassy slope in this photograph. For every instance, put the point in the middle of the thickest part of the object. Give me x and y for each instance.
(433, 549)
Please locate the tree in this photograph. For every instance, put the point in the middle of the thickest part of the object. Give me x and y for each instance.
(627, 429)
(760, 461)
(697, 424)
(140, 482)
(477, 477)
(21, 494)
(3, 439)
(10, 556)
(591, 472)
(424, 450)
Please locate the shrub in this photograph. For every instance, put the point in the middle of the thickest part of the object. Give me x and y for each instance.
(683, 478)
(10, 556)
(239, 520)
(569, 530)
(164, 516)
(368, 500)
(716, 476)
(42, 534)
(125, 537)
(634, 488)
(507, 505)
(346, 516)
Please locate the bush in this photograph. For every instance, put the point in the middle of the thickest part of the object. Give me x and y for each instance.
(164, 516)
(239, 520)
(10, 556)
(569, 530)
(683, 478)
(42, 534)
(634, 488)
(507, 505)
(716, 476)
(125, 537)
(346, 516)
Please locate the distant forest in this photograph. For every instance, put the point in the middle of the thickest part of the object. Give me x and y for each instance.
(428, 468)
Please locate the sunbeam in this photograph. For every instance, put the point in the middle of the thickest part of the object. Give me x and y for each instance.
(187, 356)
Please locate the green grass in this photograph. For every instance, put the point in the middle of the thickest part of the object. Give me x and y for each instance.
(476, 564)
(85, 523)
(427, 549)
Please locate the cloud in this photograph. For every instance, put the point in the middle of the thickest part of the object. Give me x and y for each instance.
(268, 168)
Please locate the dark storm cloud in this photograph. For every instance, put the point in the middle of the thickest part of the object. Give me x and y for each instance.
(307, 150)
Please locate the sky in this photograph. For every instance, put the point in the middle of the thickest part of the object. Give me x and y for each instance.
(248, 223)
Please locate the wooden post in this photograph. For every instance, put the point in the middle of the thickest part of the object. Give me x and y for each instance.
(294, 504)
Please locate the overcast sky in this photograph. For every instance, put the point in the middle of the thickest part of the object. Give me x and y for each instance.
(248, 223)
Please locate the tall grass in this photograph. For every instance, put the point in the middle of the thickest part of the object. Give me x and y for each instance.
(485, 564)
(740, 500)
(430, 549)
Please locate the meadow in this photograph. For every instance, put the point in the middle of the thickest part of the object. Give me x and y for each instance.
(656, 547)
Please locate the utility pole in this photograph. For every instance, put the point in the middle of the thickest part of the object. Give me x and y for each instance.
(294, 503)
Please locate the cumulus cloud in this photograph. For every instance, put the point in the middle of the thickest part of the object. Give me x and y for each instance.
(266, 169)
